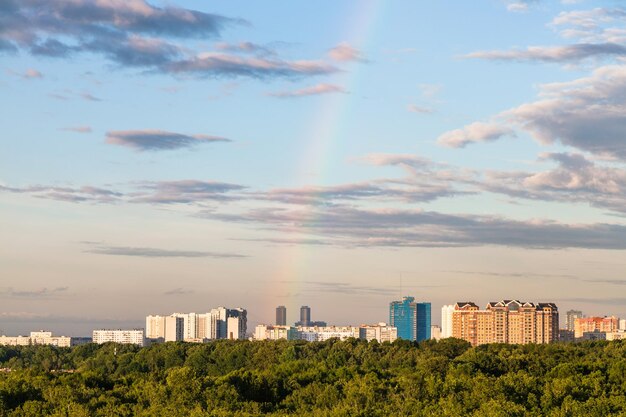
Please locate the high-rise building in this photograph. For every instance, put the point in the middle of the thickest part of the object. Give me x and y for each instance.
(155, 327)
(584, 325)
(507, 321)
(412, 319)
(305, 316)
(216, 324)
(423, 321)
(174, 328)
(570, 316)
(236, 323)
(446, 321)
(281, 316)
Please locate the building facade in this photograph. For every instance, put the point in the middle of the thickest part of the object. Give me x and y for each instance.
(134, 336)
(281, 316)
(595, 324)
(507, 321)
(570, 316)
(413, 320)
(42, 337)
(265, 332)
(380, 332)
(446, 321)
(219, 323)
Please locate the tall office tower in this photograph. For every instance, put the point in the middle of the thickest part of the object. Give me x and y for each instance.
(423, 321)
(402, 317)
(570, 316)
(281, 316)
(237, 323)
(155, 327)
(174, 328)
(305, 316)
(412, 319)
(446, 321)
(507, 321)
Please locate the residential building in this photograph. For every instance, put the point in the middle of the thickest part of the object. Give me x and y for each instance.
(595, 324)
(380, 332)
(594, 335)
(155, 328)
(413, 320)
(42, 337)
(281, 316)
(435, 332)
(507, 321)
(618, 335)
(320, 334)
(566, 335)
(265, 332)
(134, 336)
(190, 325)
(446, 321)
(570, 316)
(622, 324)
(174, 328)
(217, 326)
(237, 323)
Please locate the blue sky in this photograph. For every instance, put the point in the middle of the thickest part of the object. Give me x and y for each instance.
(177, 156)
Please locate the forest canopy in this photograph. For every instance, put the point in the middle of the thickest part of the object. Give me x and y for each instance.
(332, 378)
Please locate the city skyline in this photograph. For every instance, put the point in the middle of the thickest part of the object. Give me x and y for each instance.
(170, 156)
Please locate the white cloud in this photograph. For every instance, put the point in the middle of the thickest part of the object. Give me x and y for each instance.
(473, 133)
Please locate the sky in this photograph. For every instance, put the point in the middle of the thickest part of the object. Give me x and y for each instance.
(183, 155)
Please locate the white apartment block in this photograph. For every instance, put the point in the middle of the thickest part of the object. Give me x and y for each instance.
(174, 328)
(155, 327)
(38, 338)
(265, 332)
(134, 336)
(320, 334)
(219, 323)
(435, 332)
(446, 321)
(380, 332)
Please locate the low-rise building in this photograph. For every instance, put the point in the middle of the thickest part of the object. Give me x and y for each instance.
(134, 336)
(265, 332)
(380, 332)
(42, 337)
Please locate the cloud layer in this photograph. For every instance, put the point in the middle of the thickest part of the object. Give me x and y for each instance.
(158, 140)
(315, 90)
(137, 34)
(158, 253)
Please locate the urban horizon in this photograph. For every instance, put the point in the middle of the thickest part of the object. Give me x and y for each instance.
(163, 155)
(57, 327)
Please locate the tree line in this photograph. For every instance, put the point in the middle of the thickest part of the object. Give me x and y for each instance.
(332, 378)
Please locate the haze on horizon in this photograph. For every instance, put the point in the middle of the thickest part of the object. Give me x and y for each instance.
(178, 156)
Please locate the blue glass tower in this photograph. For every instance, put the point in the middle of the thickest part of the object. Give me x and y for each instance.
(410, 318)
(402, 317)
(423, 321)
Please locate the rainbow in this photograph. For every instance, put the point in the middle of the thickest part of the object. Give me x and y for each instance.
(324, 136)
